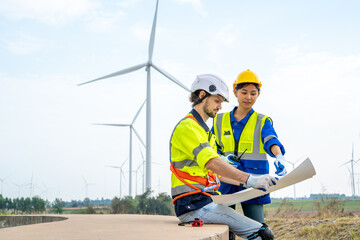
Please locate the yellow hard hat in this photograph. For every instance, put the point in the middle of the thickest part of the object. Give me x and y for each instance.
(247, 77)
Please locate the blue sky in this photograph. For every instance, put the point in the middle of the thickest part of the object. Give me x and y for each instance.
(305, 53)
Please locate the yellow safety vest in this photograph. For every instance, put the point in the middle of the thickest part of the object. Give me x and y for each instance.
(190, 149)
(250, 138)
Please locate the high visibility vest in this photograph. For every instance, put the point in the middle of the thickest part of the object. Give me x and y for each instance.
(187, 176)
(250, 138)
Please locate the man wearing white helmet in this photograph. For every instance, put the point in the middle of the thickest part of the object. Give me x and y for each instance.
(196, 166)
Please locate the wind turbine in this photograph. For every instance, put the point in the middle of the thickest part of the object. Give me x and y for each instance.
(131, 128)
(293, 165)
(142, 164)
(121, 173)
(352, 161)
(86, 187)
(148, 64)
(31, 185)
(19, 187)
(2, 183)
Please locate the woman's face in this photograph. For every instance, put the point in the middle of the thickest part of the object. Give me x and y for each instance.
(247, 96)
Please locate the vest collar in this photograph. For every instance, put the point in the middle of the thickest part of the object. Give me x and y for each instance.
(199, 119)
(244, 120)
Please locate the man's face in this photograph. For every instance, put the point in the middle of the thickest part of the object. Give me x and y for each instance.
(212, 105)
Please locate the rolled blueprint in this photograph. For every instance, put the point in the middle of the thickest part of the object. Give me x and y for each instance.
(302, 172)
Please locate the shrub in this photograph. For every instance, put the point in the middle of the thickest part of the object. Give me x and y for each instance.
(329, 206)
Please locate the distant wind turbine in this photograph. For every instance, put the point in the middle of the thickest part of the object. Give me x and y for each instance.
(31, 185)
(352, 162)
(2, 183)
(293, 166)
(147, 66)
(131, 128)
(86, 186)
(143, 171)
(19, 188)
(121, 173)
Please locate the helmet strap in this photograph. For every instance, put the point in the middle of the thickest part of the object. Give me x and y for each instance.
(201, 99)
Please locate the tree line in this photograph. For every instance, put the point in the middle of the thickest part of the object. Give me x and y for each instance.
(22, 205)
(141, 204)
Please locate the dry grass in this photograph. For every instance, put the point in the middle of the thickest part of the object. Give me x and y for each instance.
(327, 220)
(310, 228)
(316, 228)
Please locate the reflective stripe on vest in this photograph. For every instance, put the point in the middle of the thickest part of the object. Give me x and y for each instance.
(250, 138)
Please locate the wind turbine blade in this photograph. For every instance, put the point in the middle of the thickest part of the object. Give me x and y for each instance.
(113, 166)
(171, 77)
(84, 180)
(113, 124)
(137, 114)
(156, 163)
(139, 137)
(124, 163)
(3, 179)
(123, 177)
(126, 70)
(142, 156)
(345, 163)
(152, 36)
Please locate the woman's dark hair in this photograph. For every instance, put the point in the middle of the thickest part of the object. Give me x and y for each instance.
(241, 85)
(194, 97)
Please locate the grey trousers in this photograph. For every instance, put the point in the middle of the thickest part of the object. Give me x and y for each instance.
(219, 214)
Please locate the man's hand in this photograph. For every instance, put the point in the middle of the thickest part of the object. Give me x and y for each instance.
(280, 165)
(229, 159)
(262, 182)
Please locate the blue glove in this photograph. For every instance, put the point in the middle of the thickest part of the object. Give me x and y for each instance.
(280, 165)
(229, 159)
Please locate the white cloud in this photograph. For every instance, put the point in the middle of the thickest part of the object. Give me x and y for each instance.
(224, 37)
(313, 98)
(102, 21)
(127, 3)
(50, 12)
(196, 4)
(24, 45)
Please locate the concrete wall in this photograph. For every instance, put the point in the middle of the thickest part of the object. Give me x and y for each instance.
(13, 221)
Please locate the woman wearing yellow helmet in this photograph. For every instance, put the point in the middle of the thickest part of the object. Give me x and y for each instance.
(245, 137)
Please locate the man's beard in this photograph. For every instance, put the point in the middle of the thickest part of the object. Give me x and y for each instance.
(208, 111)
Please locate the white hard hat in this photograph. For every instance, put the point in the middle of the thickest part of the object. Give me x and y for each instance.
(211, 84)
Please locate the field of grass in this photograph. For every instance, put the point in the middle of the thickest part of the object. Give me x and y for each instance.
(301, 205)
(329, 219)
(87, 210)
(316, 228)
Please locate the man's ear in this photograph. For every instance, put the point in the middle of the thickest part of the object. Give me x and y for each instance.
(202, 94)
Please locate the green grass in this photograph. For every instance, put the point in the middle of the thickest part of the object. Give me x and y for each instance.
(98, 210)
(302, 205)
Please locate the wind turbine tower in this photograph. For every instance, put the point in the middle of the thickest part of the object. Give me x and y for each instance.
(121, 174)
(131, 128)
(148, 64)
(352, 161)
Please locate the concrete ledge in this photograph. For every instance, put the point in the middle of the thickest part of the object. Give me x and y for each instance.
(13, 221)
(114, 227)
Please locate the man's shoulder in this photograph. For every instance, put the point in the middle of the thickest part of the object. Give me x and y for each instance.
(187, 123)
